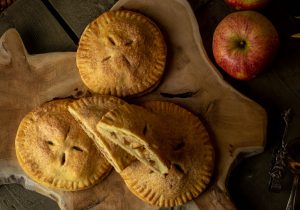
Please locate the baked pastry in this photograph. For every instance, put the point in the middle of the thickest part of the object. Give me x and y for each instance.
(54, 151)
(121, 53)
(88, 112)
(191, 156)
(137, 130)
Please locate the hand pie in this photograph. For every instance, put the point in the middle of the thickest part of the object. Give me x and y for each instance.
(121, 53)
(88, 112)
(54, 151)
(191, 157)
(137, 130)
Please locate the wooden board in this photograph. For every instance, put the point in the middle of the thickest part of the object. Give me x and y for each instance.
(4, 24)
(13, 197)
(77, 17)
(228, 115)
(37, 26)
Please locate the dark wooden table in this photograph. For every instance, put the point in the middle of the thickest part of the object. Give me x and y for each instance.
(56, 25)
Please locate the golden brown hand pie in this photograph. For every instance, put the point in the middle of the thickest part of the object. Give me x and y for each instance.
(54, 151)
(88, 112)
(137, 130)
(190, 153)
(121, 53)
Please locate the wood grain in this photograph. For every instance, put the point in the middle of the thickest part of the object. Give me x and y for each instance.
(15, 197)
(40, 31)
(78, 14)
(237, 124)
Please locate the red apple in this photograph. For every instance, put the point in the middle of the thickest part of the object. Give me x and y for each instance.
(247, 4)
(244, 43)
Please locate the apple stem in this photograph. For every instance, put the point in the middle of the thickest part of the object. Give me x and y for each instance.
(242, 44)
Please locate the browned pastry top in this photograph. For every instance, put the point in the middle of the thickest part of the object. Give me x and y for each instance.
(121, 53)
(55, 152)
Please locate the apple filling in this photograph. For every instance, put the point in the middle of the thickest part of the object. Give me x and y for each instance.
(141, 151)
(137, 147)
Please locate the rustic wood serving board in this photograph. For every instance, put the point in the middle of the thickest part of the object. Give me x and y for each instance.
(237, 124)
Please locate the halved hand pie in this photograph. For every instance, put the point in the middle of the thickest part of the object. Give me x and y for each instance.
(88, 112)
(184, 142)
(137, 131)
(54, 151)
(121, 53)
